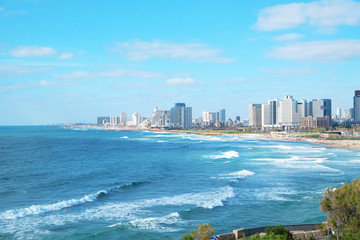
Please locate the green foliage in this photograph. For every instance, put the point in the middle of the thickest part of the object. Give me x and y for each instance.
(273, 233)
(187, 237)
(343, 208)
(279, 230)
(204, 232)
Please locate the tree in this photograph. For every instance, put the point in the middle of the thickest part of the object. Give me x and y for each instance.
(281, 231)
(343, 208)
(204, 232)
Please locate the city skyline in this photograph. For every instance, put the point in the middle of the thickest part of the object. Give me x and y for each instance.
(65, 61)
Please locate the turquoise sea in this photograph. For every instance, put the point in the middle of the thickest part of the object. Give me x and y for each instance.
(58, 183)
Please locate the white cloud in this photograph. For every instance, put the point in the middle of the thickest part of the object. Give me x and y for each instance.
(11, 12)
(322, 51)
(139, 50)
(289, 70)
(180, 81)
(288, 37)
(32, 51)
(36, 51)
(324, 14)
(66, 56)
(46, 83)
(13, 70)
(111, 74)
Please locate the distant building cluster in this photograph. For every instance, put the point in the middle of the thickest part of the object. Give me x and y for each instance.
(178, 117)
(350, 116)
(288, 113)
(282, 114)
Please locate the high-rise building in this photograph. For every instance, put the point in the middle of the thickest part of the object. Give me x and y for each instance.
(186, 117)
(114, 120)
(287, 113)
(303, 108)
(268, 112)
(181, 116)
(357, 106)
(123, 119)
(102, 120)
(255, 115)
(222, 116)
(175, 114)
(320, 108)
(338, 113)
(157, 118)
(136, 119)
(210, 118)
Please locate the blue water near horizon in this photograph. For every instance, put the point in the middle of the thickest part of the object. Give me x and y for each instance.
(58, 183)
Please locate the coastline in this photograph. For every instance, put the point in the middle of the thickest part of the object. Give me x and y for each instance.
(341, 143)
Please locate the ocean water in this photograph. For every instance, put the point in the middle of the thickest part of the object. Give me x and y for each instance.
(58, 183)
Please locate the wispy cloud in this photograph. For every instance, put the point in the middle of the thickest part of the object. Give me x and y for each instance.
(36, 51)
(4, 11)
(111, 74)
(35, 84)
(66, 56)
(137, 50)
(288, 70)
(14, 70)
(181, 81)
(324, 14)
(322, 51)
(288, 37)
(32, 51)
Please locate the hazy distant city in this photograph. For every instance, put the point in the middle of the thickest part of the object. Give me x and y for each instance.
(279, 114)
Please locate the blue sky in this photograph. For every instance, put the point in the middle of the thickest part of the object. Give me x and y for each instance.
(71, 61)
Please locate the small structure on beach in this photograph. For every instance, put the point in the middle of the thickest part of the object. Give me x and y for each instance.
(330, 135)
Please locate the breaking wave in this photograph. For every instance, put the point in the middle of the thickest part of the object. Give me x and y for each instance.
(40, 209)
(235, 175)
(154, 223)
(227, 155)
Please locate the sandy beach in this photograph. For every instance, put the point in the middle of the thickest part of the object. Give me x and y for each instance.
(341, 143)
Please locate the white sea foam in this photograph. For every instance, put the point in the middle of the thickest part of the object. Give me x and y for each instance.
(228, 155)
(235, 175)
(274, 193)
(39, 209)
(298, 162)
(124, 137)
(154, 223)
(203, 199)
(161, 141)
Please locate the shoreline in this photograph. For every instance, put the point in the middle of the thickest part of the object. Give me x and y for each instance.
(295, 137)
(341, 143)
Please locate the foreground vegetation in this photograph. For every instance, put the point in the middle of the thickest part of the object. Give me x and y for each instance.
(343, 208)
(341, 204)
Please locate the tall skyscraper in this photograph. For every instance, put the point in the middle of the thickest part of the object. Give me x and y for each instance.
(287, 113)
(320, 108)
(175, 114)
(181, 116)
(268, 112)
(186, 117)
(123, 119)
(357, 106)
(114, 120)
(255, 115)
(136, 119)
(222, 117)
